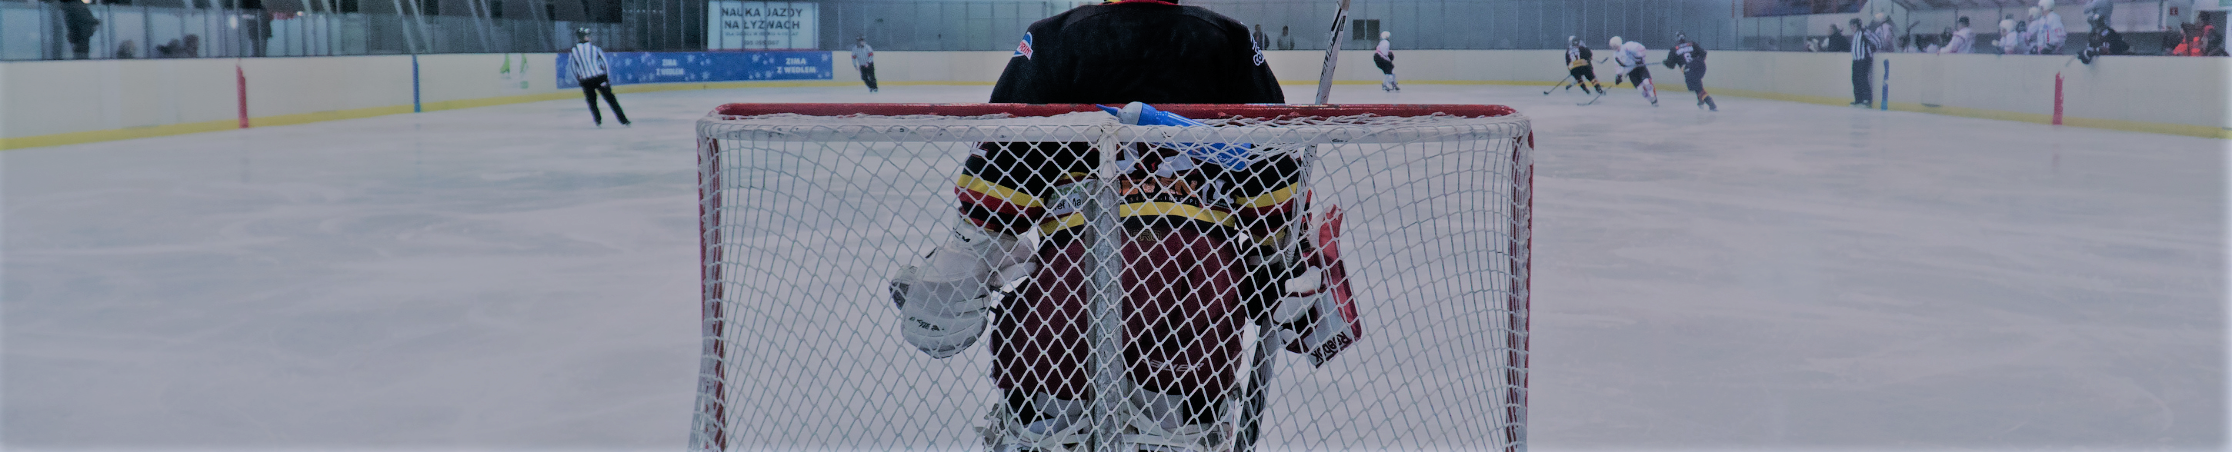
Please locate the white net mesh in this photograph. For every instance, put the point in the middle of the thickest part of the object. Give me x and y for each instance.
(1391, 247)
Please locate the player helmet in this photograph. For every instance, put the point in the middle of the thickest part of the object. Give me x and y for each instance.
(1385, 34)
(2034, 12)
(2046, 4)
(581, 33)
(1573, 40)
(1616, 42)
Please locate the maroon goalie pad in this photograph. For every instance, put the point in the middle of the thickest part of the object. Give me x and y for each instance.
(1182, 317)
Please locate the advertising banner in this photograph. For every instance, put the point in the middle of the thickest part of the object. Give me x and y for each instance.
(628, 68)
(739, 25)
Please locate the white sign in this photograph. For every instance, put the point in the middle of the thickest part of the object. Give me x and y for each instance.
(739, 25)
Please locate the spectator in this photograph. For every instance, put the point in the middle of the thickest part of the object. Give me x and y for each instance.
(1286, 41)
(864, 58)
(78, 18)
(1881, 32)
(1837, 42)
(2050, 32)
(190, 47)
(1963, 40)
(2191, 43)
(1257, 37)
(2213, 34)
(127, 50)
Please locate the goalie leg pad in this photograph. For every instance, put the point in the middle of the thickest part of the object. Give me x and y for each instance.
(1041, 344)
(1183, 308)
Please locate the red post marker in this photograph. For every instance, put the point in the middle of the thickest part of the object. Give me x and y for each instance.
(242, 78)
(2057, 98)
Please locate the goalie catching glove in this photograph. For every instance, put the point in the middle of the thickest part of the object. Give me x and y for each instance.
(942, 303)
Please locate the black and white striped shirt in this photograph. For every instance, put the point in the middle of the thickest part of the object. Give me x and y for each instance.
(1863, 45)
(588, 61)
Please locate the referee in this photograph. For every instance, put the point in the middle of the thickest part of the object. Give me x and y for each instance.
(589, 67)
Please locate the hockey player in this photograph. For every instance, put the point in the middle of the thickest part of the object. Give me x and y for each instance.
(2105, 40)
(2049, 34)
(1691, 58)
(1190, 226)
(590, 69)
(1963, 40)
(1579, 66)
(2011, 41)
(864, 59)
(1633, 66)
(1384, 57)
(2106, 9)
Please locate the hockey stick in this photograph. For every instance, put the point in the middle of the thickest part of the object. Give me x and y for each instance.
(1561, 82)
(1332, 54)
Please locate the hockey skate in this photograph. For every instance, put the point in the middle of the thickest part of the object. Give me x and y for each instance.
(1584, 97)
(1162, 424)
(1056, 425)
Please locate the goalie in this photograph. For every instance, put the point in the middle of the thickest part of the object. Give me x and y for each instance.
(1197, 235)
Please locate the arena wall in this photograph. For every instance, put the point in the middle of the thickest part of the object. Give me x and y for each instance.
(45, 103)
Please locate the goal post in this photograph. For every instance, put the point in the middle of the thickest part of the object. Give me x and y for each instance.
(1163, 257)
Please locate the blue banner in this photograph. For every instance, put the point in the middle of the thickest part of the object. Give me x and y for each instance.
(628, 68)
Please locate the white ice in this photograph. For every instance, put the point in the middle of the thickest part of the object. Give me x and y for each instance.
(1771, 276)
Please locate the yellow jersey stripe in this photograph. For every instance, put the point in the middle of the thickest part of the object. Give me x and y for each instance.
(1013, 197)
(1171, 209)
(1281, 196)
(1146, 209)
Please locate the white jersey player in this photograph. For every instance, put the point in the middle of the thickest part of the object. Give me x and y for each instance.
(1634, 67)
(1963, 41)
(2048, 33)
(1384, 57)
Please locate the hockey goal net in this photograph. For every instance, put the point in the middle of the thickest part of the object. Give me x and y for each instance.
(1348, 277)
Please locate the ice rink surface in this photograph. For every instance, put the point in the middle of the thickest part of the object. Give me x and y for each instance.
(1774, 276)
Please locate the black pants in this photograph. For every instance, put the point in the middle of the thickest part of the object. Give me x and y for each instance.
(1860, 71)
(868, 75)
(601, 84)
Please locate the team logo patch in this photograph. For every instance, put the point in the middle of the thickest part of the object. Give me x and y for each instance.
(1024, 49)
(1258, 48)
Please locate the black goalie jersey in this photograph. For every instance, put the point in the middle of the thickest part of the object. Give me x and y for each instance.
(1144, 51)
